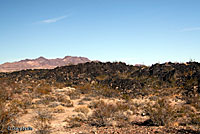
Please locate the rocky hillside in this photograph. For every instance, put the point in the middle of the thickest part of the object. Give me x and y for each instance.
(118, 75)
(41, 63)
(96, 97)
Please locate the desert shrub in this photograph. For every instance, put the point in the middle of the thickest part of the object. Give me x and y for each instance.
(195, 119)
(105, 114)
(96, 104)
(59, 109)
(100, 116)
(7, 118)
(126, 97)
(102, 77)
(47, 99)
(42, 121)
(86, 99)
(65, 100)
(186, 115)
(121, 119)
(124, 75)
(75, 121)
(23, 103)
(59, 85)
(43, 89)
(122, 106)
(74, 95)
(161, 113)
(68, 103)
(106, 91)
(84, 89)
(62, 98)
(27, 102)
(194, 114)
(82, 109)
(81, 102)
(8, 112)
(54, 104)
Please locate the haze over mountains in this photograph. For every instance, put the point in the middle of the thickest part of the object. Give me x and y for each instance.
(42, 63)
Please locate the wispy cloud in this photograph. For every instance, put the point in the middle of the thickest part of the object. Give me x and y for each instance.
(53, 20)
(190, 29)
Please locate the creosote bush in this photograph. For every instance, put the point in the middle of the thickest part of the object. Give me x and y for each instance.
(7, 117)
(8, 113)
(161, 113)
(82, 109)
(84, 89)
(43, 89)
(105, 114)
(75, 120)
(42, 121)
(105, 91)
(74, 95)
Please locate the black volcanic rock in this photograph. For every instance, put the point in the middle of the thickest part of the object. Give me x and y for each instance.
(119, 76)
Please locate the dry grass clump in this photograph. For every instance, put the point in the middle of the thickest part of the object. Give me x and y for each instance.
(82, 109)
(8, 112)
(76, 120)
(54, 104)
(123, 106)
(68, 103)
(86, 99)
(84, 89)
(81, 102)
(42, 121)
(74, 95)
(97, 90)
(59, 85)
(47, 99)
(65, 100)
(8, 117)
(27, 102)
(106, 91)
(106, 114)
(50, 98)
(102, 77)
(193, 110)
(96, 104)
(62, 98)
(43, 89)
(161, 113)
(59, 109)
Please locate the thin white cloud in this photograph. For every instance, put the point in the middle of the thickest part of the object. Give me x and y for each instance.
(191, 29)
(53, 20)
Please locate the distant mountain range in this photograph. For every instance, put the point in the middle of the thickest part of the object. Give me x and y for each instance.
(42, 63)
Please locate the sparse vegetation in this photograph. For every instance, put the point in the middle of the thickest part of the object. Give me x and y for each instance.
(43, 89)
(42, 121)
(106, 114)
(161, 95)
(8, 112)
(82, 109)
(161, 113)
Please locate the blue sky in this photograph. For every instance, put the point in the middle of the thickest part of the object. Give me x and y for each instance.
(133, 31)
